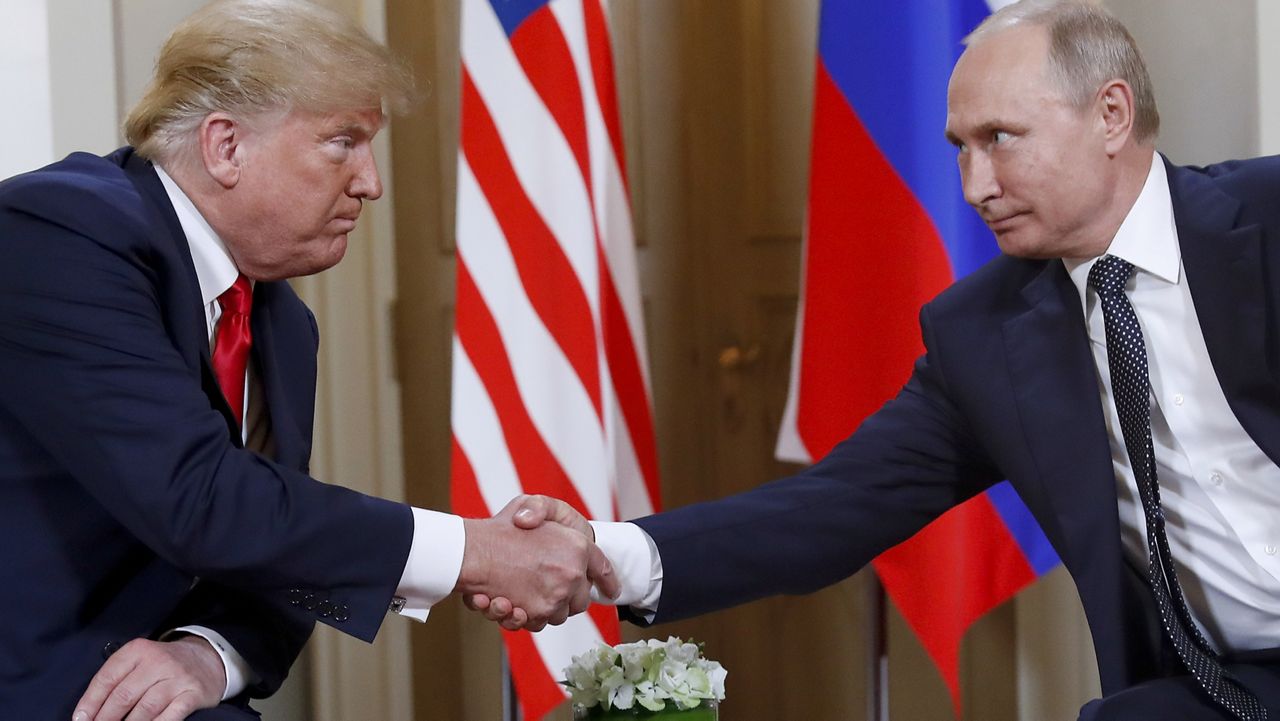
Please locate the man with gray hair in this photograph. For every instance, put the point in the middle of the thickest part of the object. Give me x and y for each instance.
(1117, 363)
(164, 549)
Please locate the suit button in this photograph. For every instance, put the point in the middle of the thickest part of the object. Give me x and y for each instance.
(324, 609)
(109, 648)
(341, 613)
(295, 597)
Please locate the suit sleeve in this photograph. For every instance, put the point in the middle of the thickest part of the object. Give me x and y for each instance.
(268, 636)
(86, 362)
(904, 466)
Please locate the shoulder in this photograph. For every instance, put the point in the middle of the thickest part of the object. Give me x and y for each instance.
(1252, 181)
(83, 193)
(993, 290)
(1230, 172)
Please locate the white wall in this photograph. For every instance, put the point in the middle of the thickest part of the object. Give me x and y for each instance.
(26, 132)
(82, 76)
(1204, 62)
(1268, 30)
(57, 76)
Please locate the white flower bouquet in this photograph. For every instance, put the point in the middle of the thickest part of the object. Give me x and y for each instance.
(646, 678)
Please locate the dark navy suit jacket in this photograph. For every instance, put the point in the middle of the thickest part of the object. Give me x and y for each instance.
(122, 477)
(1007, 388)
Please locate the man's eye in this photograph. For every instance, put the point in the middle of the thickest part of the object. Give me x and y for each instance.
(1000, 136)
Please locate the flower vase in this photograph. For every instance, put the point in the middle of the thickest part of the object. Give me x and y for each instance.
(708, 710)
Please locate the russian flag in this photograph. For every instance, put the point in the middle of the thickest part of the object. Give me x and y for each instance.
(888, 229)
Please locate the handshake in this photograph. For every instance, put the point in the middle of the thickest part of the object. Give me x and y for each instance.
(533, 564)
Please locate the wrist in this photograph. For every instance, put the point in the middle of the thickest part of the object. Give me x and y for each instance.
(231, 667)
(472, 574)
(208, 657)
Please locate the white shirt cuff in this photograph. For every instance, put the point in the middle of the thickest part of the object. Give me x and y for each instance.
(636, 563)
(435, 560)
(236, 668)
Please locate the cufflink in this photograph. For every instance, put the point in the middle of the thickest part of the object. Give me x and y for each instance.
(397, 604)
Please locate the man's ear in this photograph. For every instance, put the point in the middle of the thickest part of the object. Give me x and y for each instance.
(1115, 106)
(219, 137)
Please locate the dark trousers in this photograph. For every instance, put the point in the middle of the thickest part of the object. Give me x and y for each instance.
(1180, 698)
(225, 712)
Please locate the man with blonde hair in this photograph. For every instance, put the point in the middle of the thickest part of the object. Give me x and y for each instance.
(1118, 363)
(164, 550)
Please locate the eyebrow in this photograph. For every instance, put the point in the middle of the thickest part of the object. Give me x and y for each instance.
(352, 128)
(357, 127)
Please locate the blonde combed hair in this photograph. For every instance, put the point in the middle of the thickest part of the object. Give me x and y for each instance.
(1088, 47)
(250, 58)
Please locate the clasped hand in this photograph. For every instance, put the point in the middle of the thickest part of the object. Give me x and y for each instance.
(533, 564)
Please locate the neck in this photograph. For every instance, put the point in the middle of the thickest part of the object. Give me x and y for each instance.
(1133, 165)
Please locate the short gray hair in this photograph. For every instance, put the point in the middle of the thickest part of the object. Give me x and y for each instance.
(1088, 47)
(250, 58)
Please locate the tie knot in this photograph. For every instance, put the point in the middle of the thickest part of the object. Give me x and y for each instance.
(1109, 274)
(238, 298)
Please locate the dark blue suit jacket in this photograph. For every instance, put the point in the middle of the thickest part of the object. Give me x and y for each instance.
(1007, 388)
(122, 477)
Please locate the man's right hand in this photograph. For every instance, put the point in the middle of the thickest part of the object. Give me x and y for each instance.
(532, 564)
(154, 680)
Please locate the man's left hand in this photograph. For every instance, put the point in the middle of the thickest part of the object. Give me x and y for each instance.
(155, 681)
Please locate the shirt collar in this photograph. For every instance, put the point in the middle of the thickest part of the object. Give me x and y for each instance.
(1148, 237)
(215, 271)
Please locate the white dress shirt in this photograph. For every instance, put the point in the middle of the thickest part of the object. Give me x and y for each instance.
(435, 554)
(1220, 492)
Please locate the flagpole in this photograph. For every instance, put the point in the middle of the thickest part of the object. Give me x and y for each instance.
(878, 653)
(510, 707)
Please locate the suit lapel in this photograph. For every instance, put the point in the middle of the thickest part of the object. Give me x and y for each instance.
(1227, 273)
(281, 372)
(180, 288)
(1055, 387)
(1056, 392)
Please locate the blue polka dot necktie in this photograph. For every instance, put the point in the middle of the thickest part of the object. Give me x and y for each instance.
(1130, 390)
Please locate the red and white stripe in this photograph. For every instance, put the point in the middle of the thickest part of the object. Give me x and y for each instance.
(550, 381)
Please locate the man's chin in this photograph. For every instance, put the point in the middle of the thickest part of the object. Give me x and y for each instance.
(1021, 244)
(308, 261)
(335, 251)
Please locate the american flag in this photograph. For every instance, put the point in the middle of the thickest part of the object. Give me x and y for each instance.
(550, 380)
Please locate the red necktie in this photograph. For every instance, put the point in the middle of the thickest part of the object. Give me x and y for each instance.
(231, 349)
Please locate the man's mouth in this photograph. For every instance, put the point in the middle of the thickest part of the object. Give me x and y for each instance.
(1004, 222)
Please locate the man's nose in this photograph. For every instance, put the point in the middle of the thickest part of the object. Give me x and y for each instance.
(978, 177)
(366, 183)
